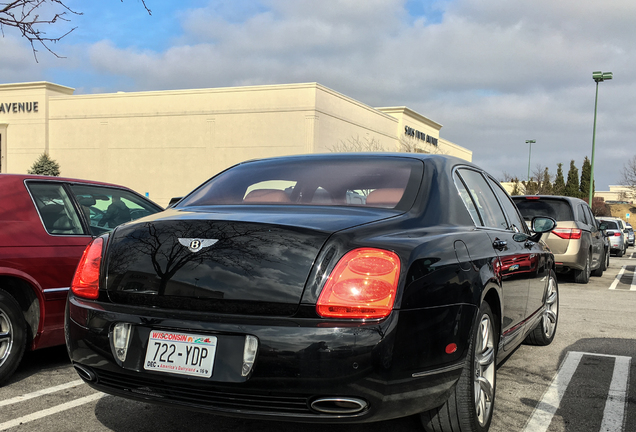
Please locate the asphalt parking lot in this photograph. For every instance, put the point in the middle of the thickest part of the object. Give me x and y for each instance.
(584, 381)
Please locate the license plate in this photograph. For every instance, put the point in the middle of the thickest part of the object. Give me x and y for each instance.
(180, 353)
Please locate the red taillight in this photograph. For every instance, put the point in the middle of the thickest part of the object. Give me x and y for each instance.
(617, 234)
(567, 233)
(86, 280)
(362, 285)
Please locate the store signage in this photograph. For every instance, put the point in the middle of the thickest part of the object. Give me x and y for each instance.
(420, 135)
(18, 107)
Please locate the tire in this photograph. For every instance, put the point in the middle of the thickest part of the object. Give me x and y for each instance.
(601, 266)
(543, 333)
(619, 253)
(583, 276)
(470, 406)
(607, 260)
(12, 335)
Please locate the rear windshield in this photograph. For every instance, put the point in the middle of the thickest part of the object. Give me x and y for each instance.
(611, 225)
(559, 210)
(353, 181)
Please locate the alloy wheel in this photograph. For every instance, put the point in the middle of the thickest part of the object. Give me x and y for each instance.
(484, 374)
(550, 316)
(6, 337)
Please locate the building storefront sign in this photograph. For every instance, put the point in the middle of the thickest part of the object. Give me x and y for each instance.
(420, 135)
(18, 107)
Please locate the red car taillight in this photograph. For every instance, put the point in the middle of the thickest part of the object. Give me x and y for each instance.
(86, 280)
(362, 285)
(567, 233)
(617, 234)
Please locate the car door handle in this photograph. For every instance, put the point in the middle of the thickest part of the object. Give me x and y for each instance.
(499, 244)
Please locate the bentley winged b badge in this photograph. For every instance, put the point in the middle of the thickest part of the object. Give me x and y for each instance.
(195, 244)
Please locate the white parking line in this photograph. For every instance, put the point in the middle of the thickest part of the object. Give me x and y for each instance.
(50, 411)
(618, 278)
(617, 397)
(45, 391)
(615, 404)
(544, 411)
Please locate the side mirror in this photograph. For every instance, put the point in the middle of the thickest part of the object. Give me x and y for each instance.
(542, 224)
(174, 200)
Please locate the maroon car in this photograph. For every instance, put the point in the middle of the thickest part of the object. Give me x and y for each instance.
(45, 224)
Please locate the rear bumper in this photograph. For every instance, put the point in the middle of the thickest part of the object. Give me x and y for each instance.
(397, 367)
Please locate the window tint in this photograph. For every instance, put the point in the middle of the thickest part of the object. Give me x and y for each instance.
(513, 215)
(611, 225)
(55, 208)
(590, 217)
(468, 201)
(484, 198)
(582, 216)
(557, 209)
(353, 181)
(105, 207)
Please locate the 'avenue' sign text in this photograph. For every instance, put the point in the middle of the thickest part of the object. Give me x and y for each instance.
(18, 107)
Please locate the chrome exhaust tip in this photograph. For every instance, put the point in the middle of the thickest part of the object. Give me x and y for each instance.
(85, 373)
(339, 405)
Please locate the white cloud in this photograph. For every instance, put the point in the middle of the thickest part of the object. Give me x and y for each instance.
(494, 72)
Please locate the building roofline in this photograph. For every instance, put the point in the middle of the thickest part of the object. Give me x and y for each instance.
(37, 85)
(408, 111)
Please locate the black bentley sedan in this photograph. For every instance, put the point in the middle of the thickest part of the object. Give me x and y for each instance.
(319, 288)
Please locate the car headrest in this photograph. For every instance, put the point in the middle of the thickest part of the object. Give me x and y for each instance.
(266, 196)
(387, 197)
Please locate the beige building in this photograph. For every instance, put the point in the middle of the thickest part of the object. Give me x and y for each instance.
(165, 143)
(616, 193)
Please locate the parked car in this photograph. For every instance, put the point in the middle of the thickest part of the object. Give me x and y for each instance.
(617, 234)
(45, 225)
(630, 235)
(607, 245)
(318, 288)
(577, 242)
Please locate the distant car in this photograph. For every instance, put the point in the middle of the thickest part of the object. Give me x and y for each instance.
(45, 224)
(576, 242)
(617, 234)
(319, 288)
(606, 242)
(630, 235)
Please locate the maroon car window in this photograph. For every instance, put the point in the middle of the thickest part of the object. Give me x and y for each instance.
(106, 207)
(487, 205)
(55, 208)
(346, 181)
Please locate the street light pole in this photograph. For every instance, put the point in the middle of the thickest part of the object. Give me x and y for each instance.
(529, 154)
(597, 77)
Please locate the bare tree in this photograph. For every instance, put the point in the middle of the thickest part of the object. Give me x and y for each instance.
(355, 144)
(26, 17)
(405, 145)
(412, 145)
(628, 176)
(507, 177)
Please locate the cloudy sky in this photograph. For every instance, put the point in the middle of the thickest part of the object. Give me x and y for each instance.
(495, 73)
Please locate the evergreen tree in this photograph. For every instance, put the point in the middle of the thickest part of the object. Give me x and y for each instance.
(586, 174)
(44, 165)
(558, 188)
(572, 185)
(546, 185)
